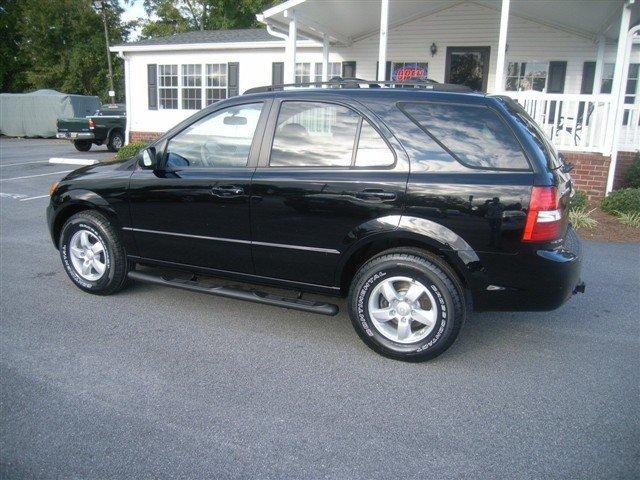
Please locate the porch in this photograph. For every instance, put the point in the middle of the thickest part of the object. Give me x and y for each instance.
(585, 94)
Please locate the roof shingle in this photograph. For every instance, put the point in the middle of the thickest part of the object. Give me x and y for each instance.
(210, 36)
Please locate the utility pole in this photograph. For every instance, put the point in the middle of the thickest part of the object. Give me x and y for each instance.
(112, 92)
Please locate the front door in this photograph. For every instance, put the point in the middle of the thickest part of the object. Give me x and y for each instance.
(468, 66)
(327, 176)
(194, 209)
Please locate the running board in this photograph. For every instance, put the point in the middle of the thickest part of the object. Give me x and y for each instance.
(237, 293)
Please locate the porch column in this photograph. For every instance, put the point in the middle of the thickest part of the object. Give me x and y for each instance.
(617, 92)
(290, 49)
(597, 76)
(325, 58)
(502, 47)
(382, 48)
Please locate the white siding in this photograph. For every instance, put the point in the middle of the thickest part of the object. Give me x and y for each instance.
(462, 25)
(255, 70)
(475, 25)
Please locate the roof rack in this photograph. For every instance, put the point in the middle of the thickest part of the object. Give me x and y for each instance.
(353, 82)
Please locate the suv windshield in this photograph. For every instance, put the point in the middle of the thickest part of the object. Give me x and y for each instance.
(554, 160)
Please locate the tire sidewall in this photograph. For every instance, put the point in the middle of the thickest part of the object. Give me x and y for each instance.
(83, 223)
(438, 339)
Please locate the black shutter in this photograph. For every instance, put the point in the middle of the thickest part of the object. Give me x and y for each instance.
(555, 84)
(152, 86)
(588, 75)
(277, 73)
(387, 72)
(349, 69)
(233, 80)
(557, 74)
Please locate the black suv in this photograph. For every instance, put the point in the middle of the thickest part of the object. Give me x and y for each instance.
(418, 204)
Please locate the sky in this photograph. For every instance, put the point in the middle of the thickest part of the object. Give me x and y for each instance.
(133, 11)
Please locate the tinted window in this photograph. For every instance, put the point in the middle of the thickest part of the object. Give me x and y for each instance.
(476, 136)
(222, 139)
(314, 134)
(373, 151)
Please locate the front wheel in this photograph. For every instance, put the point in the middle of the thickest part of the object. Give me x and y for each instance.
(82, 145)
(407, 304)
(93, 254)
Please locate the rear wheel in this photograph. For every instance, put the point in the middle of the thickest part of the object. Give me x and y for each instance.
(82, 145)
(407, 304)
(93, 254)
(115, 142)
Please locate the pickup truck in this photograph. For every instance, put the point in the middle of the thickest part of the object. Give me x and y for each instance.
(106, 126)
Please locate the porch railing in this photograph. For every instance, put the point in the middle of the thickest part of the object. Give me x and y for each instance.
(576, 122)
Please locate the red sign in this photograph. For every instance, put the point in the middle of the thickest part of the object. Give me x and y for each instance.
(407, 73)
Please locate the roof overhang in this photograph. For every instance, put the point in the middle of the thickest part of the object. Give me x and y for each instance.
(207, 46)
(344, 22)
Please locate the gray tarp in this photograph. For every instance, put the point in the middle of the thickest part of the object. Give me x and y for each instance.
(35, 114)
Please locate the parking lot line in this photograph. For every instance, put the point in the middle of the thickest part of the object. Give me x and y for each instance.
(32, 176)
(33, 198)
(18, 164)
(73, 161)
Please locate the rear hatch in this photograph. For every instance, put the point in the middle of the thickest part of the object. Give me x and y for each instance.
(550, 199)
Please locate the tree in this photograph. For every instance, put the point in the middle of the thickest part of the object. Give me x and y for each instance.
(60, 44)
(179, 16)
(12, 78)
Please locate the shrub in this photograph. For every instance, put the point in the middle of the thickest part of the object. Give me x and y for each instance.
(582, 219)
(631, 219)
(632, 178)
(131, 149)
(578, 201)
(626, 200)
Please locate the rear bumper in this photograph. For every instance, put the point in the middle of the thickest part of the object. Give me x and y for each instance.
(540, 280)
(76, 135)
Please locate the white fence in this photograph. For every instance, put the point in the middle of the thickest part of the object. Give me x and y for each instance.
(582, 123)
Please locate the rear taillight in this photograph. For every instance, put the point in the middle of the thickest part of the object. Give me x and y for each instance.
(544, 219)
(92, 124)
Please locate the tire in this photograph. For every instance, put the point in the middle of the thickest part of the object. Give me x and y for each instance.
(115, 142)
(94, 227)
(82, 145)
(393, 331)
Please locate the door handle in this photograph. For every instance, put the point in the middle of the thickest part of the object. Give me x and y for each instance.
(375, 194)
(227, 191)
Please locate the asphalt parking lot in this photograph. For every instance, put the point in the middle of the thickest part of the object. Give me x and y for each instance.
(158, 383)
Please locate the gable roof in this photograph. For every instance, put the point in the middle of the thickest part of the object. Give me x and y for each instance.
(209, 36)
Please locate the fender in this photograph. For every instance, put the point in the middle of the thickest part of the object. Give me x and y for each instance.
(111, 131)
(75, 199)
(455, 249)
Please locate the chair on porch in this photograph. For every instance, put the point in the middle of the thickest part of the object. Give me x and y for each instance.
(568, 125)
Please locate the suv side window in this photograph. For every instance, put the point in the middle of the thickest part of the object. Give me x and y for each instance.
(317, 134)
(220, 140)
(475, 135)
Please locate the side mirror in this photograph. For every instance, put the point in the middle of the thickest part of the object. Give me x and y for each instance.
(149, 158)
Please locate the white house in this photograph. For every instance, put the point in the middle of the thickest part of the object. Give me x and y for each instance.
(573, 64)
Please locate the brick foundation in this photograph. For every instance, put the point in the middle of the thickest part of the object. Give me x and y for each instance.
(589, 172)
(143, 136)
(625, 159)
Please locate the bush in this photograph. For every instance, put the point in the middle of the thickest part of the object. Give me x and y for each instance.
(631, 219)
(131, 149)
(578, 201)
(626, 200)
(582, 219)
(632, 178)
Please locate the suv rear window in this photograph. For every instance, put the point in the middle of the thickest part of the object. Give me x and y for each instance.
(475, 135)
